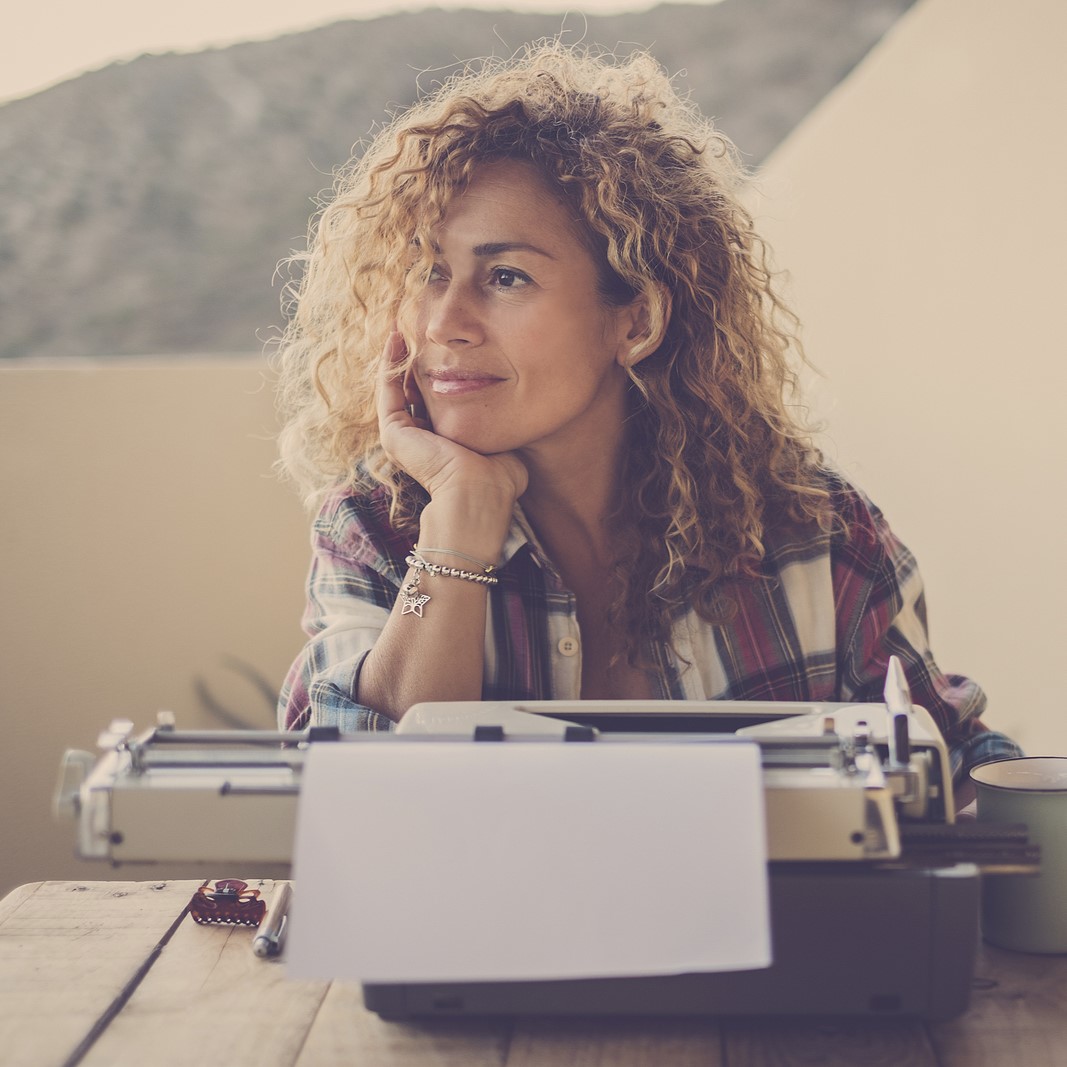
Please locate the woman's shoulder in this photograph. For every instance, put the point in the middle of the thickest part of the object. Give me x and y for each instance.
(858, 516)
(861, 541)
(847, 514)
(849, 506)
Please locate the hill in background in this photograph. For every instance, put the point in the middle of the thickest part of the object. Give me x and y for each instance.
(143, 207)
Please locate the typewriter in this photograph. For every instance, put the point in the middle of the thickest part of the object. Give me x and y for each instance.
(873, 885)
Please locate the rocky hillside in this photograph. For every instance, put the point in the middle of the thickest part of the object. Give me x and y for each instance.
(143, 207)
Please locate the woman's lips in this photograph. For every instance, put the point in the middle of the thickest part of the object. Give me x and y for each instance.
(456, 383)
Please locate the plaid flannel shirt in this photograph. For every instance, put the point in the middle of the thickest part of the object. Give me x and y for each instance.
(819, 624)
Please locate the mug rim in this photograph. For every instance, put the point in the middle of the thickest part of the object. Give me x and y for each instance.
(975, 774)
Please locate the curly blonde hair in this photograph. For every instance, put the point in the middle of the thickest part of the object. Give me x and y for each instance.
(714, 454)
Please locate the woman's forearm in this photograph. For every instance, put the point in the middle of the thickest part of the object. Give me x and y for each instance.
(433, 645)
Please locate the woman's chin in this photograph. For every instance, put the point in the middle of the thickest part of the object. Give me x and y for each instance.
(485, 442)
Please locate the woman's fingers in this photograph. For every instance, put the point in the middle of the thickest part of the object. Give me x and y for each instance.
(402, 427)
(391, 399)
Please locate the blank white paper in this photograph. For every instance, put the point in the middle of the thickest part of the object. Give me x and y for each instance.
(462, 861)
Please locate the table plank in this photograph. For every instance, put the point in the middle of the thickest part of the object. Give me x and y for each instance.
(217, 1002)
(1018, 1014)
(209, 999)
(828, 1043)
(616, 1042)
(14, 900)
(67, 949)
(345, 1034)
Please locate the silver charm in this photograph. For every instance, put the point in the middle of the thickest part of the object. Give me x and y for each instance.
(413, 605)
(412, 599)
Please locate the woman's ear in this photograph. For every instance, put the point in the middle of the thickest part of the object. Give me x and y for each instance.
(644, 324)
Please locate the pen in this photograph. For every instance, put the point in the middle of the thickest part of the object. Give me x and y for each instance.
(268, 939)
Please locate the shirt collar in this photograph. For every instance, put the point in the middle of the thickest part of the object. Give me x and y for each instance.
(521, 534)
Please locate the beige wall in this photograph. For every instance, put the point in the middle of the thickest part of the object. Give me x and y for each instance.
(921, 213)
(143, 540)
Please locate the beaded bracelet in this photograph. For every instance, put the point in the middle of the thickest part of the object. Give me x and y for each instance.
(487, 567)
(415, 600)
(420, 564)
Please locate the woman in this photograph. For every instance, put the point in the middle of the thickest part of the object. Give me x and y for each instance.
(537, 387)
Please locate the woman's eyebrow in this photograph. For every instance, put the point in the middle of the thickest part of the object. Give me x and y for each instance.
(496, 248)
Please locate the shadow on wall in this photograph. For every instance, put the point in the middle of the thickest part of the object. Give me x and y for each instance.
(231, 716)
(151, 560)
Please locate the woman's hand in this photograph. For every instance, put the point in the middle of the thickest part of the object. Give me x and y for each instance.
(440, 466)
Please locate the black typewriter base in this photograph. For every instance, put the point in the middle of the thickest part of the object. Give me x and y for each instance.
(847, 942)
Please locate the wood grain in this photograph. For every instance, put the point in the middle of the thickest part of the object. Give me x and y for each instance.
(345, 1034)
(210, 999)
(828, 1043)
(67, 949)
(1018, 1014)
(71, 950)
(616, 1043)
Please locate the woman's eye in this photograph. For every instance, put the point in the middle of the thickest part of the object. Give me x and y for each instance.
(505, 278)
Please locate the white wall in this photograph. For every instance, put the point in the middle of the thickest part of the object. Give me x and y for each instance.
(143, 540)
(921, 213)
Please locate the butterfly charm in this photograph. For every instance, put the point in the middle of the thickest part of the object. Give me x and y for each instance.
(413, 605)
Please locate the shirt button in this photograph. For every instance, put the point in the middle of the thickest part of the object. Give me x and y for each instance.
(568, 646)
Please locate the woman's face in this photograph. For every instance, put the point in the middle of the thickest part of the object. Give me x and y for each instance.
(513, 346)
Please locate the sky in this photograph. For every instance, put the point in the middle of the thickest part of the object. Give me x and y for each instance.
(48, 41)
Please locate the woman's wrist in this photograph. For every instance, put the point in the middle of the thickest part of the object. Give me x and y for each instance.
(472, 529)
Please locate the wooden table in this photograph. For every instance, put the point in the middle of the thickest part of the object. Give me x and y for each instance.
(108, 974)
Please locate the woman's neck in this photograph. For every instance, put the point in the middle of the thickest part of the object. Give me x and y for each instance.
(570, 504)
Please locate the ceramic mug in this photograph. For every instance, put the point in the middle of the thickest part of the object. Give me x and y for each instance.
(1021, 911)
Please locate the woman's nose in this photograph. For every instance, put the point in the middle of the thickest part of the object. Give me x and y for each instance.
(454, 318)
